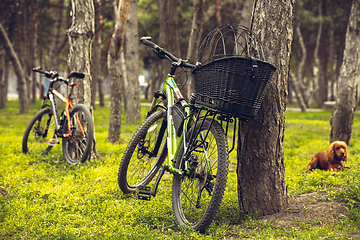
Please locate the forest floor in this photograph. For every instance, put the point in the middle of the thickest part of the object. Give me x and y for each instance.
(308, 207)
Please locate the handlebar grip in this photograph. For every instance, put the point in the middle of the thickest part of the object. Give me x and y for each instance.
(146, 41)
(38, 69)
(46, 73)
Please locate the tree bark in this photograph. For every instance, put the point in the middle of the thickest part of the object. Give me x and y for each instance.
(320, 78)
(343, 115)
(80, 36)
(169, 37)
(294, 83)
(246, 13)
(96, 69)
(300, 71)
(114, 70)
(132, 65)
(217, 13)
(195, 34)
(3, 85)
(21, 79)
(54, 51)
(260, 168)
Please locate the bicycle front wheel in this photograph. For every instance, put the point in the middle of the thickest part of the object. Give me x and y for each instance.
(39, 131)
(144, 154)
(196, 197)
(77, 147)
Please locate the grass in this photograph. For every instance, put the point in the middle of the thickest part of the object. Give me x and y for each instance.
(44, 198)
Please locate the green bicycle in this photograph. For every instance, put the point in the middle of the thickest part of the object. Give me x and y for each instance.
(198, 159)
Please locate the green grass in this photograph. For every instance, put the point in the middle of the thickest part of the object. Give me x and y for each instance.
(44, 198)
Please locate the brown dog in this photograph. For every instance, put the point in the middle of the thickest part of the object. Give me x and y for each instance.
(331, 159)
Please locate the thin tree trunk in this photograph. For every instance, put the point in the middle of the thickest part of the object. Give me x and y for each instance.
(169, 37)
(96, 70)
(319, 75)
(195, 33)
(295, 86)
(300, 71)
(260, 168)
(217, 13)
(343, 115)
(246, 13)
(80, 36)
(114, 71)
(35, 83)
(21, 79)
(52, 63)
(331, 59)
(125, 83)
(3, 86)
(132, 65)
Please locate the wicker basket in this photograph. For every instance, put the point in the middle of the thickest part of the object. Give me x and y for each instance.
(233, 85)
(233, 75)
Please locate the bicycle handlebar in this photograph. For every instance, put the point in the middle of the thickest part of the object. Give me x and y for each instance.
(163, 54)
(55, 75)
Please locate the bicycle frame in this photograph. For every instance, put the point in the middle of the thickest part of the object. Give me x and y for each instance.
(68, 105)
(173, 93)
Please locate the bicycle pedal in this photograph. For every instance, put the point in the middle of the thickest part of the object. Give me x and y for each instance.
(144, 193)
(53, 142)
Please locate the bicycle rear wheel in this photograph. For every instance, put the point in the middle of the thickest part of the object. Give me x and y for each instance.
(196, 197)
(39, 131)
(144, 154)
(77, 147)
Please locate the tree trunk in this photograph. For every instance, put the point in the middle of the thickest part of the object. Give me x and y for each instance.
(320, 78)
(25, 49)
(294, 83)
(217, 13)
(5, 82)
(343, 115)
(195, 34)
(114, 71)
(124, 77)
(260, 168)
(96, 63)
(300, 71)
(132, 65)
(52, 63)
(246, 13)
(154, 77)
(80, 36)
(3, 86)
(21, 79)
(168, 39)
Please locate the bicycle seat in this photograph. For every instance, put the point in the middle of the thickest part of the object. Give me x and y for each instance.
(76, 74)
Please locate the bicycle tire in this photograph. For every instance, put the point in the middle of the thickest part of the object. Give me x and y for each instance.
(77, 147)
(139, 164)
(36, 135)
(189, 189)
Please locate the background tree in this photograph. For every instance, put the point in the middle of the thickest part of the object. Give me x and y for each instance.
(311, 63)
(80, 36)
(260, 168)
(96, 60)
(114, 69)
(21, 78)
(132, 90)
(343, 115)
(169, 36)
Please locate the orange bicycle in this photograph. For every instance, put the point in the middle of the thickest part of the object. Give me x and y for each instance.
(74, 125)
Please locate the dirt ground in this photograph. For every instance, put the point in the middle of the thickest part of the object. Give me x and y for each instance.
(309, 207)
